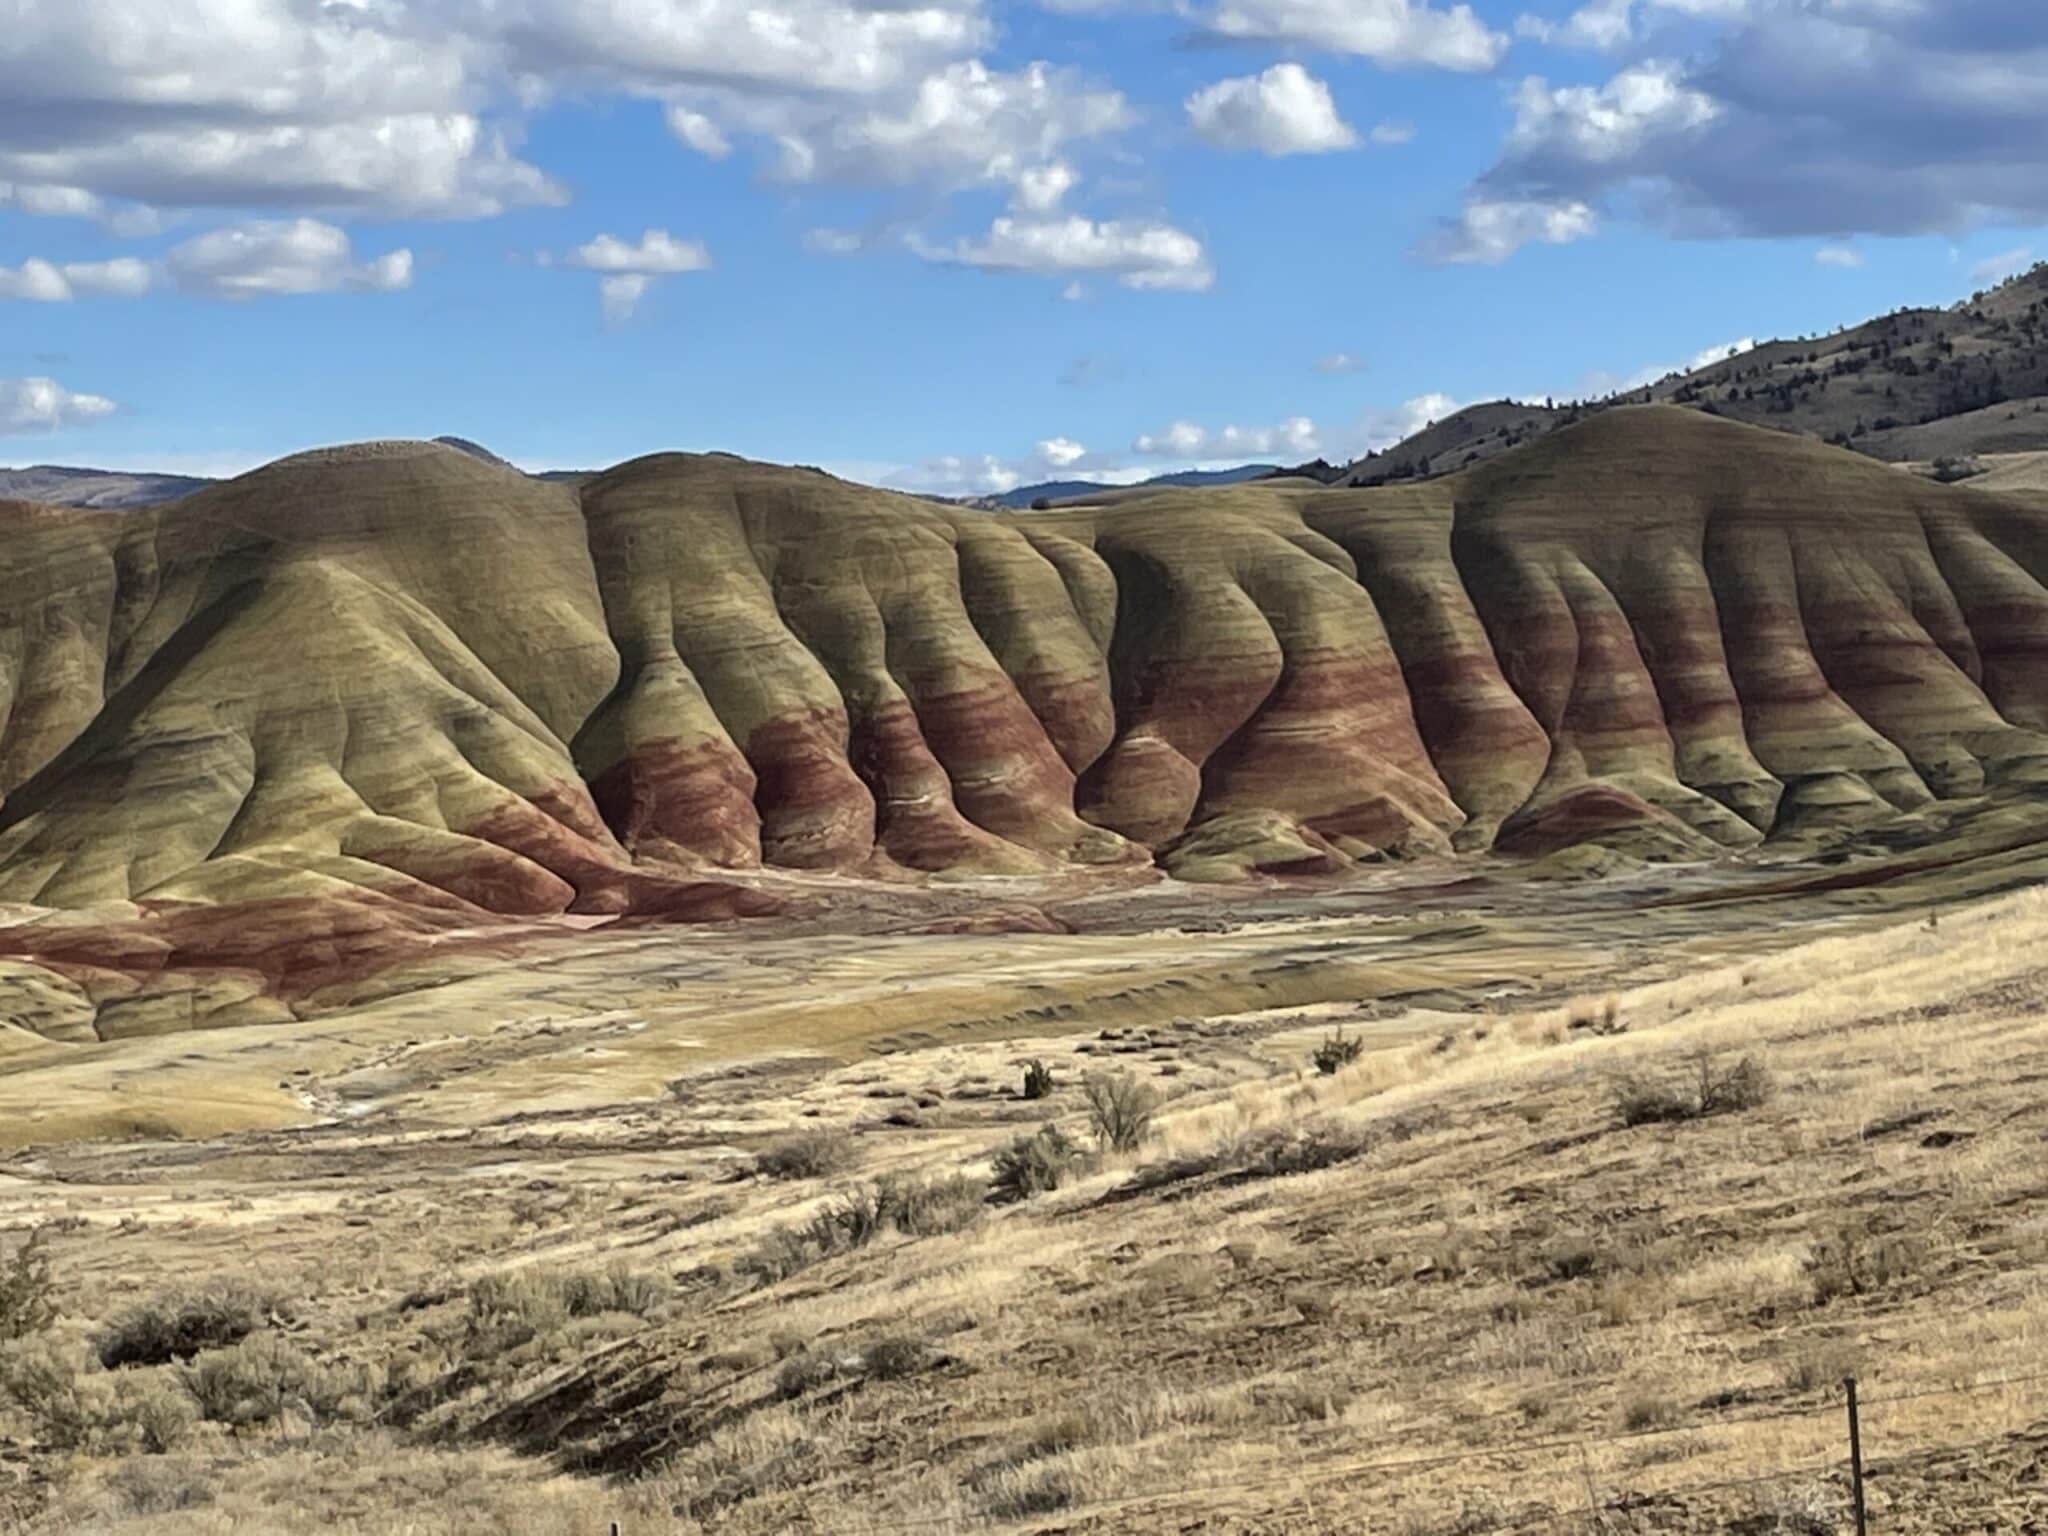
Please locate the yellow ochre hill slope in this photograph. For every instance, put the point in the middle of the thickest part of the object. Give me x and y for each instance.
(374, 699)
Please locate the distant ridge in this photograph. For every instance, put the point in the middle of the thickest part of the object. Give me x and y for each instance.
(1917, 384)
(109, 490)
(1052, 491)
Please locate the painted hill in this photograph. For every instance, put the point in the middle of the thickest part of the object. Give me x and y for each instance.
(366, 704)
(1916, 384)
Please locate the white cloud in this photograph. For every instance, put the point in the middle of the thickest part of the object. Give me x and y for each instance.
(656, 253)
(620, 294)
(1295, 436)
(1385, 31)
(628, 271)
(1339, 362)
(1488, 233)
(1139, 254)
(1285, 111)
(1815, 118)
(281, 256)
(1601, 24)
(1061, 452)
(44, 405)
(1610, 123)
(699, 132)
(965, 125)
(1042, 188)
(354, 104)
(1382, 428)
(1996, 269)
(1183, 437)
(48, 283)
(1843, 256)
(1389, 134)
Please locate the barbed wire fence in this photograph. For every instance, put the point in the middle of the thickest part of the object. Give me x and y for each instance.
(1307, 1477)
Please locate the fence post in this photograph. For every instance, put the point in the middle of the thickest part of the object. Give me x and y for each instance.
(1855, 1459)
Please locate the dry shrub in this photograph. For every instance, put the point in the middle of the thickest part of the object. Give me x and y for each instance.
(1850, 1261)
(1711, 1090)
(1036, 1164)
(813, 1154)
(1120, 1110)
(1337, 1052)
(894, 1357)
(26, 1290)
(73, 1404)
(930, 1207)
(520, 1304)
(179, 1324)
(856, 1217)
(258, 1379)
(1271, 1153)
(1822, 1364)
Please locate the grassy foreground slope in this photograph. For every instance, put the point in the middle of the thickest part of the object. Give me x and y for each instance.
(1449, 1289)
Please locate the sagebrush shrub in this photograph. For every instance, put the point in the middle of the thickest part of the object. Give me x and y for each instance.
(177, 1325)
(813, 1154)
(27, 1290)
(1337, 1051)
(255, 1381)
(1713, 1090)
(1037, 1080)
(1036, 1164)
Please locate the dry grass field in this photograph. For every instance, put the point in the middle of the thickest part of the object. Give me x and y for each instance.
(1447, 1287)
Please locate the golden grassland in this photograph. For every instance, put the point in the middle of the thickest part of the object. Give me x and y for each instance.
(1444, 1289)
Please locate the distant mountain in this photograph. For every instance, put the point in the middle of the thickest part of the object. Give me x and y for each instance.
(108, 490)
(1068, 490)
(1918, 384)
(112, 490)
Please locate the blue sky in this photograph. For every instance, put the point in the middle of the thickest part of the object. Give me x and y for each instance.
(958, 244)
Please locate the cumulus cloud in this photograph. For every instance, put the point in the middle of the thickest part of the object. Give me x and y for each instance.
(385, 108)
(1601, 24)
(629, 269)
(1295, 436)
(243, 102)
(49, 283)
(619, 294)
(1042, 188)
(699, 132)
(1823, 118)
(962, 126)
(1137, 253)
(281, 256)
(1061, 452)
(1385, 31)
(44, 405)
(1488, 232)
(656, 253)
(1285, 111)
(1385, 426)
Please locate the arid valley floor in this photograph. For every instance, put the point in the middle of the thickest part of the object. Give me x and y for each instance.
(694, 1231)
